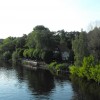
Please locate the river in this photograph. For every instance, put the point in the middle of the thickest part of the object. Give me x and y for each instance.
(19, 83)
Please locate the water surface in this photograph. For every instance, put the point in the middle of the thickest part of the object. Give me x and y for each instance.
(18, 83)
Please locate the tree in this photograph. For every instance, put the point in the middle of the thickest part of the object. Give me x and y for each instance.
(15, 57)
(80, 49)
(20, 41)
(7, 55)
(94, 43)
(8, 44)
(42, 40)
(47, 56)
(30, 43)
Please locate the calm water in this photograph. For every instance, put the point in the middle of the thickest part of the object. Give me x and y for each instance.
(18, 83)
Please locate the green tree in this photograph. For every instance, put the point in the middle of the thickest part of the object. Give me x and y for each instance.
(15, 57)
(8, 44)
(7, 55)
(20, 41)
(80, 48)
(94, 43)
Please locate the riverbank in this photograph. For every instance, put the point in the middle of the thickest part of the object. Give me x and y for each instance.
(31, 64)
(55, 68)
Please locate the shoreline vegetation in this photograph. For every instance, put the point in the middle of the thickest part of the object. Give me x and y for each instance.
(89, 70)
(77, 53)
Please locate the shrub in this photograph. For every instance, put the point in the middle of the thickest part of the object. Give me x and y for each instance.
(73, 70)
(60, 67)
(56, 66)
(52, 65)
(15, 57)
(89, 69)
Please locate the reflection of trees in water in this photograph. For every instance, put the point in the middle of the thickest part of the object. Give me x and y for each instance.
(20, 73)
(40, 81)
(85, 90)
(5, 65)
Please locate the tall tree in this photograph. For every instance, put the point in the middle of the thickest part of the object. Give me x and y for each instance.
(80, 49)
(94, 43)
(20, 41)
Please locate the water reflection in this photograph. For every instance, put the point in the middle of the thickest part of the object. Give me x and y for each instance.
(19, 83)
(5, 65)
(20, 71)
(85, 90)
(40, 81)
(45, 86)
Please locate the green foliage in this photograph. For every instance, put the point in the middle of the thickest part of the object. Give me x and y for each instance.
(88, 61)
(20, 41)
(36, 54)
(80, 49)
(88, 70)
(25, 53)
(60, 67)
(40, 44)
(73, 70)
(20, 52)
(8, 44)
(15, 57)
(28, 53)
(48, 56)
(30, 43)
(7, 55)
(94, 43)
(55, 66)
(52, 65)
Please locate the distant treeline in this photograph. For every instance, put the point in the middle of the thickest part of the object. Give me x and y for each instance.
(39, 44)
(44, 45)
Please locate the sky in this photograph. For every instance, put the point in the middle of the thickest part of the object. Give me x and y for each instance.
(18, 17)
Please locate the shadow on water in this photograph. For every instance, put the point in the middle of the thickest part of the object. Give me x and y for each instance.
(85, 90)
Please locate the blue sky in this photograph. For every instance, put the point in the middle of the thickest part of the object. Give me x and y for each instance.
(18, 17)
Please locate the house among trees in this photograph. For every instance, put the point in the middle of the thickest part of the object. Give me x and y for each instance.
(61, 53)
(64, 52)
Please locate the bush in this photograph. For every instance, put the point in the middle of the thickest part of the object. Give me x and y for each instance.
(52, 65)
(15, 57)
(73, 70)
(28, 53)
(25, 53)
(56, 66)
(20, 52)
(36, 53)
(88, 70)
(60, 67)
